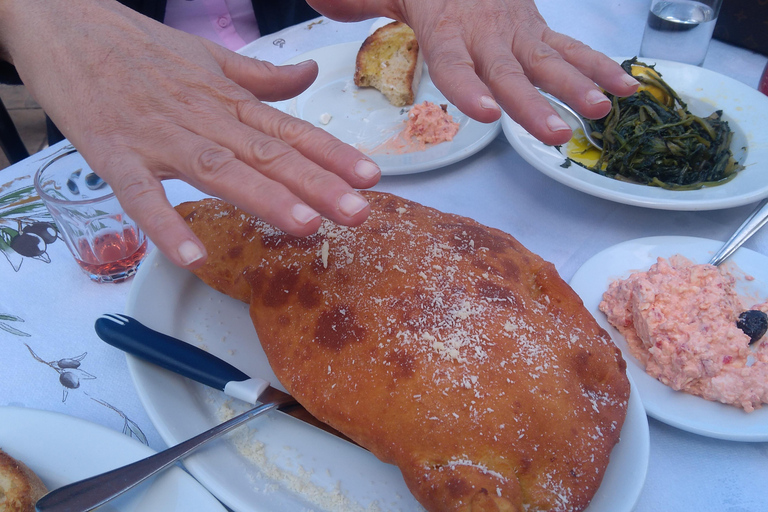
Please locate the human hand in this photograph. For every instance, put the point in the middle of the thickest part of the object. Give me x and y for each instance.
(143, 103)
(486, 53)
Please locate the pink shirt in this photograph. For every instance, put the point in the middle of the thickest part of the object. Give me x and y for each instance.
(230, 23)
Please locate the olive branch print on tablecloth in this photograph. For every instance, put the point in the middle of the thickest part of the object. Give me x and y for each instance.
(4, 325)
(70, 375)
(26, 227)
(68, 368)
(130, 427)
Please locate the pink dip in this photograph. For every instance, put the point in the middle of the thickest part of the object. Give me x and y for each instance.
(679, 320)
(430, 124)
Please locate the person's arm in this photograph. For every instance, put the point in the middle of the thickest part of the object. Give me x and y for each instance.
(143, 102)
(486, 53)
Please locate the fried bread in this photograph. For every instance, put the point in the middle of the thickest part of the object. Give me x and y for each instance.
(389, 60)
(441, 345)
(20, 487)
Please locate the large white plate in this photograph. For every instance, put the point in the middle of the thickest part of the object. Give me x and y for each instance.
(174, 301)
(705, 91)
(681, 410)
(62, 449)
(364, 118)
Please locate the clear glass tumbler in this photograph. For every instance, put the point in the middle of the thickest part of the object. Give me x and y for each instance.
(680, 30)
(106, 243)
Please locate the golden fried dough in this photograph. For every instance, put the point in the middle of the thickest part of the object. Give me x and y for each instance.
(20, 487)
(441, 345)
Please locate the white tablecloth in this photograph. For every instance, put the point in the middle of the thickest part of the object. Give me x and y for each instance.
(48, 306)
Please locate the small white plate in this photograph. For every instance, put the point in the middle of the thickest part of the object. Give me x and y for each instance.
(304, 468)
(363, 117)
(705, 91)
(63, 449)
(681, 410)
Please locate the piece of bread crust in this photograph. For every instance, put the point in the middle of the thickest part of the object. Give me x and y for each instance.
(390, 61)
(20, 487)
(441, 345)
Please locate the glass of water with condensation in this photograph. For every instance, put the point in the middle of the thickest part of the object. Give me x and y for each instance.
(679, 30)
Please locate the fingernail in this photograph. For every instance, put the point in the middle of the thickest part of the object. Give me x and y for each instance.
(629, 80)
(303, 214)
(366, 169)
(556, 124)
(350, 204)
(190, 252)
(489, 103)
(595, 97)
(304, 63)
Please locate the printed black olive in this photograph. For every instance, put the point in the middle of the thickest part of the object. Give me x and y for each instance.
(45, 230)
(69, 380)
(28, 244)
(753, 323)
(68, 363)
(93, 181)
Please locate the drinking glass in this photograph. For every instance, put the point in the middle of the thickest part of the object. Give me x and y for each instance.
(680, 30)
(106, 243)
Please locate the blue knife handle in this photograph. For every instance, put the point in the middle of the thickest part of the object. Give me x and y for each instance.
(133, 337)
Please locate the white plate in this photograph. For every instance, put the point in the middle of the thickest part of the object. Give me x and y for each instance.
(681, 410)
(364, 118)
(174, 301)
(705, 91)
(62, 449)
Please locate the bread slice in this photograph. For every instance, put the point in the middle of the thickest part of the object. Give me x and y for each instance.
(390, 61)
(20, 487)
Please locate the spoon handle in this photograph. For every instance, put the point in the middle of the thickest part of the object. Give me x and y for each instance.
(754, 222)
(93, 492)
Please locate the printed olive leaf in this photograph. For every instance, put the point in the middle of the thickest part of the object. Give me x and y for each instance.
(23, 201)
(14, 258)
(22, 194)
(130, 427)
(11, 318)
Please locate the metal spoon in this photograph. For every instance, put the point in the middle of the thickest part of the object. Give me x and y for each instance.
(94, 492)
(582, 122)
(752, 225)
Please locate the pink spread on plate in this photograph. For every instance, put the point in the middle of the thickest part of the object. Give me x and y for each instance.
(428, 124)
(679, 320)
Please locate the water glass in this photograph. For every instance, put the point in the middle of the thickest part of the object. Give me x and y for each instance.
(680, 30)
(105, 242)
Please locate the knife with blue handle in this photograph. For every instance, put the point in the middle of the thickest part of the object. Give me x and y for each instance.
(135, 338)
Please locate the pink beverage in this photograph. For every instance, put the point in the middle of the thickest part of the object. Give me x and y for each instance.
(106, 243)
(112, 256)
(763, 85)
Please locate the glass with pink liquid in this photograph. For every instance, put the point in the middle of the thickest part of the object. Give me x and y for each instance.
(763, 85)
(106, 243)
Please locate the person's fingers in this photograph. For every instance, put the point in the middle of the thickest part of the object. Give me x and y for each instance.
(513, 90)
(545, 67)
(598, 67)
(315, 144)
(275, 182)
(143, 198)
(452, 70)
(265, 80)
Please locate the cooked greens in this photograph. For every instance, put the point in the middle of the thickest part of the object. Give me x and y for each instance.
(652, 138)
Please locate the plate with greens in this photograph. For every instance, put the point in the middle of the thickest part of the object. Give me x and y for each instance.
(653, 142)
